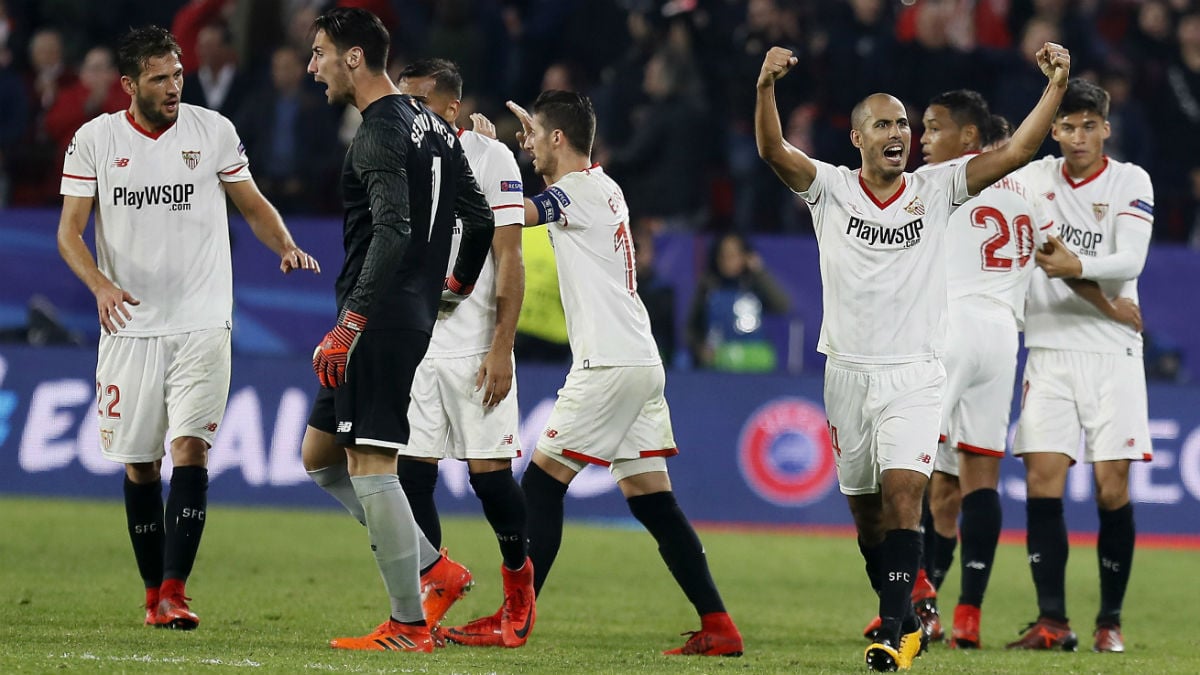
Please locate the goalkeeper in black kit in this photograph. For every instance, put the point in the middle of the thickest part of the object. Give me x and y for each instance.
(404, 181)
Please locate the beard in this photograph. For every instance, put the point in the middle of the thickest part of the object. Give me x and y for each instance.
(153, 113)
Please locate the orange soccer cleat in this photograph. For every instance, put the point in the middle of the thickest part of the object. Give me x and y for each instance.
(518, 613)
(442, 586)
(482, 632)
(965, 634)
(152, 606)
(1108, 638)
(389, 636)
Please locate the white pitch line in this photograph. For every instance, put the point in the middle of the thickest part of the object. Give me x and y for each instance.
(147, 658)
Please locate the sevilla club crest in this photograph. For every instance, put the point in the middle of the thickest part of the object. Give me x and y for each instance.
(1099, 210)
(191, 158)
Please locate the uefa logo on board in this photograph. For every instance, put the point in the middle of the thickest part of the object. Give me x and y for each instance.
(784, 452)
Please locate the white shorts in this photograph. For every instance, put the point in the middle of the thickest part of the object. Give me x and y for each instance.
(155, 389)
(981, 366)
(611, 416)
(1102, 395)
(447, 418)
(882, 417)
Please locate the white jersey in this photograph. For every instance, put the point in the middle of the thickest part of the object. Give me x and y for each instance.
(990, 244)
(588, 222)
(883, 266)
(469, 329)
(1087, 215)
(162, 231)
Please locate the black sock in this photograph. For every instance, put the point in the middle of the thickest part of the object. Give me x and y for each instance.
(186, 510)
(144, 515)
(1046, 543)
(942, 559)
(1114, 547)
(504, 507)
(900, 558)
(419, 479)
(928, 538)
(981, 519)
(873, 564)
(679, 547)
(544, 520)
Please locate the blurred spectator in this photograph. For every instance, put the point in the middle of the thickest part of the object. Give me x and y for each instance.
(36, 183)
(657, 294)
(290, 135)
(1176, 118)
(1021, 82)
(1149, 45)
(662, 166)
(933, 61)
(725, 323)
(14, 118)
(189, 21)
(98, 91)
(1132, 139)
(1163, 359)
(217, 83)
(1074, 21)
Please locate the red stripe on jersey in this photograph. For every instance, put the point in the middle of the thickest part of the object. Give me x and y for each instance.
(1147, 457)
(508, 206)
(883, 205)
(144, 131)
(941, 438)
(1078, 184)
(665, 452)
(1136, 215)
(460, 132)
(976, 450)
(584, 458)
(233, 170)
(67, 175)
(1048, 225)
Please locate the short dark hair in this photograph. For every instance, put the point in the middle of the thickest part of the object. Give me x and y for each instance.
(999, 129)
(349, 27)
(444, 72)
(1084, 96)
(570, 112)
(139, 45)
(968, 107)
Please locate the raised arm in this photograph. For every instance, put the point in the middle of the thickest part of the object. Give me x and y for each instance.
(989, 167)
(268, 226)
(793, 167)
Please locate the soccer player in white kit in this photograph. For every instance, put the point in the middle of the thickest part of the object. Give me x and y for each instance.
(611, 411)
(881, 236)
(157, 175)
(1084, 371)
(464, 399)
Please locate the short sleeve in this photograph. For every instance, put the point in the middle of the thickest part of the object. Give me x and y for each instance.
(502, 186)
(233, 164)
(825, 173)
(79, 166)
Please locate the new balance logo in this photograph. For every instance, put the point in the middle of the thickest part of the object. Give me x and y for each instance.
(345, 427)
(211, 427)
(507, 439)
(976, 564)
(121, 162)
(924, 458)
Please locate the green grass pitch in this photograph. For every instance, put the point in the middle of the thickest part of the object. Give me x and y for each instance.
(272, 586)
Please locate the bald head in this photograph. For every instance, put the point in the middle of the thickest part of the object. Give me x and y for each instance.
(875, 106)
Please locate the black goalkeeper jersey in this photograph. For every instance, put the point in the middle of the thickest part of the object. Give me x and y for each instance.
(404, 179)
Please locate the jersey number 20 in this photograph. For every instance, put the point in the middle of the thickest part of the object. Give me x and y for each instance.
(989, 217)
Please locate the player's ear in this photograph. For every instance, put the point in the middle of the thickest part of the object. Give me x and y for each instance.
(353, 57)
(452, 110)
(1054, 131)
(128, 85)
(856, 138)
(1107, 129)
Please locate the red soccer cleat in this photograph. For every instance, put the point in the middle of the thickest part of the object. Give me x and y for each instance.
(924, 599)
(965, 634)
(173, 611)
(389, 636)
(717, 637)
(1108, 639)
(482, 632)
(1046, 634)
(152, 606)
(518, 613)
(442, 586)
(871, 632)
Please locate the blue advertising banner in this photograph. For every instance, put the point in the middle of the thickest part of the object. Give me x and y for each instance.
(754, 449)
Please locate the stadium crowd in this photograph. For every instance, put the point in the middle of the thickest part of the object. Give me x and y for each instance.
(663, 74)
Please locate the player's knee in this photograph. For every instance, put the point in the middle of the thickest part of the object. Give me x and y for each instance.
(189, 451)
(416, 476)
(1112, 495)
